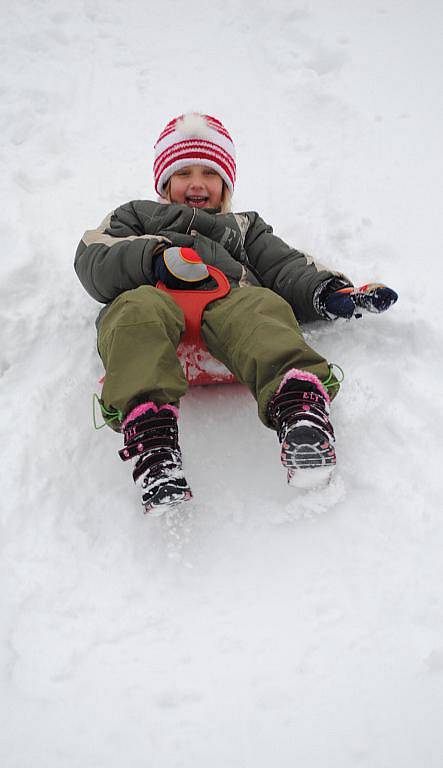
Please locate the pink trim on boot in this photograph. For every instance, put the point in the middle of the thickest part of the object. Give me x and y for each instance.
(169, 407)
(294, 373)
(139, 410)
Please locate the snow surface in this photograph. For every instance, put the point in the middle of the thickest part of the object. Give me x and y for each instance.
(266, 626)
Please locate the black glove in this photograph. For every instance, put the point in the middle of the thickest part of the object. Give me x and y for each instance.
(338, 304)
(373, 297)
(180, 268)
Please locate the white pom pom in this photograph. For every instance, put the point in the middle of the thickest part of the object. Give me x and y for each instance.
(194, 124)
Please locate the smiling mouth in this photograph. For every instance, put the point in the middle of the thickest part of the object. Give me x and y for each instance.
(196, 200)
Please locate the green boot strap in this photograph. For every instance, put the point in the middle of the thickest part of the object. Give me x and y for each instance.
(108, 415)
(332, 381)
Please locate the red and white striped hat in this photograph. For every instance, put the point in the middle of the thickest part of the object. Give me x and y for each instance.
(194, 139)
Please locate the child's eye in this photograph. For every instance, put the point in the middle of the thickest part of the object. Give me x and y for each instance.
(209, 172)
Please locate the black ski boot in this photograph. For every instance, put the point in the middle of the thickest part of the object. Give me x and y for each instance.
(299, 413)
(151, 440)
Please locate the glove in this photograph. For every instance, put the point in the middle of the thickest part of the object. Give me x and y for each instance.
(373, 297)
(180, 268)
(338, 304)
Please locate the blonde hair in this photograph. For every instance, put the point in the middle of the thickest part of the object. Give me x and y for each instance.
(226, 199)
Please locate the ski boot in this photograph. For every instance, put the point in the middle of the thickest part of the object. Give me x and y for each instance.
(151, 440)
(299, 412)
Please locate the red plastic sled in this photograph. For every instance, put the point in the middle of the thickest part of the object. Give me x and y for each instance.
(199, 365)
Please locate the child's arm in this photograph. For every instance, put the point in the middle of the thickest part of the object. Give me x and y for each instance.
(144, 217)
(107, 265)
(290, 273)
(119, 255)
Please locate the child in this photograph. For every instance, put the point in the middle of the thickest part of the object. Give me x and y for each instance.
(254, 330)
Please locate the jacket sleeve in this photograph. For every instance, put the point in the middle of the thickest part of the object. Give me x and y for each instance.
(292, 274)
(107, 265)
(144, 217)
(119, 254)
(216, 238)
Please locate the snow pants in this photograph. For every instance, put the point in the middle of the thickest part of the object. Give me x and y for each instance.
(252, 330)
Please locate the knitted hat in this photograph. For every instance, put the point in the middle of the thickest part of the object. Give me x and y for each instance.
(194, 139)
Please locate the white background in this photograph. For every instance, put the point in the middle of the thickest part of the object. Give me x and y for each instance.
(265, 626)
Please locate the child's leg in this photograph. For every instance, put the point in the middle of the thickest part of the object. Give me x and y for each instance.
(253, 331)
(137, 341)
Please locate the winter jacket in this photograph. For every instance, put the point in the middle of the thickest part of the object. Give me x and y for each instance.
(119, 255)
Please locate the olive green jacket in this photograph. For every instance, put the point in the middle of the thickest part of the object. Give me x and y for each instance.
(119, 255)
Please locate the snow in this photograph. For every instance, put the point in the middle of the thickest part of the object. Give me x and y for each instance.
(266, 626)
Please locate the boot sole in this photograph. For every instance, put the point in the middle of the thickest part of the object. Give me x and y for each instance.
(309, 458)
(156, 508)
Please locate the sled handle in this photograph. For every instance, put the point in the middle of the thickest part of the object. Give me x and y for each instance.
(193, 302)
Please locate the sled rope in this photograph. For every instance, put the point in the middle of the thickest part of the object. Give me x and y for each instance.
(328, 383)
(113, 415)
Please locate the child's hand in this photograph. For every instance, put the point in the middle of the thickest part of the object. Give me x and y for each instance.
(339, 304)
(180, 268)
(373, 297)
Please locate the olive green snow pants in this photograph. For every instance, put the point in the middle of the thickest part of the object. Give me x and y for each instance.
(252, 330)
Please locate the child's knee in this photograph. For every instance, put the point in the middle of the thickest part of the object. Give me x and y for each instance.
(144, 304)
(276, 306)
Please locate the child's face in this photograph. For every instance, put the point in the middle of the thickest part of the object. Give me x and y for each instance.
(197, 186)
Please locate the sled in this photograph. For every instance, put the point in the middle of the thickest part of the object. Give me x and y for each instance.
(199, 366)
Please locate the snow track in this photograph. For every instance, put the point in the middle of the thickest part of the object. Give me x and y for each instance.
(261, 625)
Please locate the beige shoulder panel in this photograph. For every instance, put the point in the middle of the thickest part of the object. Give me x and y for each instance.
(243, 224)
(99, 237)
